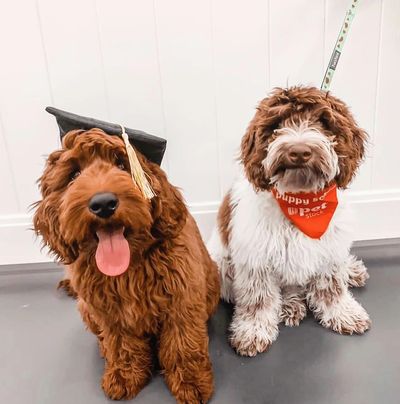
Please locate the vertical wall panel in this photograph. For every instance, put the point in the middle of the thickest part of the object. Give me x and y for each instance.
(9, 198)
(387, 139)
(74, 56)
(356, 75)
(24, 93)
(185, 52)
(129, 49)
(296, 42)
(241, 70)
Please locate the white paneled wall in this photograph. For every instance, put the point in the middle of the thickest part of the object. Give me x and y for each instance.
(191, 71)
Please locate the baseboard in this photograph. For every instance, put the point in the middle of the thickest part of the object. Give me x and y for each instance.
(377, 216)
(46, 267)
(31, 268)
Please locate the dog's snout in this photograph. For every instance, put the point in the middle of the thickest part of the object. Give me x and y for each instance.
(299, 154)
(103, 204)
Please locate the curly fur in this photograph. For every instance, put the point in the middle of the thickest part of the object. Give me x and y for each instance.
(299, 105)
(268, 268)
(171, 286)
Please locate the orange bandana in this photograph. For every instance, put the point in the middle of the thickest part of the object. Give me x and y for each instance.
(310, 212)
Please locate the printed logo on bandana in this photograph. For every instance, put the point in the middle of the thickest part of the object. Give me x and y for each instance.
(310, 212)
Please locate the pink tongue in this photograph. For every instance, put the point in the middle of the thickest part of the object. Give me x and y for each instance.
(112, 254)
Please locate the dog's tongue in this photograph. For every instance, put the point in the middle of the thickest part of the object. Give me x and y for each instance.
(112, 254)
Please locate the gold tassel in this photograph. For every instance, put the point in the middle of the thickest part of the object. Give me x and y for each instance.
(137, 172)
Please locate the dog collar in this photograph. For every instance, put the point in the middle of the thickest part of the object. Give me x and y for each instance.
(310, 212)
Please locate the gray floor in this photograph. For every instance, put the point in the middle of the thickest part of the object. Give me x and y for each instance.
(47, 357)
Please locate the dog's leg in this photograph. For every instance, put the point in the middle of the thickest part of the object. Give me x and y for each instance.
(128, 363)
(257, 306)
(358, 274)
(333, 304)
(183, 354)
(220, 254)
(91, 324)
(213, 287)
(294, 307)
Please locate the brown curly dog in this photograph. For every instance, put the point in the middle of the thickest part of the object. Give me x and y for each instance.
(139, 267)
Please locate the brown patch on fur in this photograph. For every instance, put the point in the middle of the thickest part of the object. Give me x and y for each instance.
(251, 310)
(171, 286)
(316, 107)
(224, 219)
(326, 288)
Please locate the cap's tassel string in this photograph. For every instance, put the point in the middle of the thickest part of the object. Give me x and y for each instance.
(137, 172)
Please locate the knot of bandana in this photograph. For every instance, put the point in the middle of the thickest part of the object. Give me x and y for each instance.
(310, 212)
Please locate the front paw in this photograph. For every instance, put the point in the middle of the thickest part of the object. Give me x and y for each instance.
(69, 290)
(122, 384)
(358, 274)
(251, 337)
(198, 390)
(293, 312)
(249, 346)
(347, 317)
(192, 394)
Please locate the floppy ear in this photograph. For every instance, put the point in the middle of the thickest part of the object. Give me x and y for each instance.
(168, 208)
(45, 219)
(349, 137)
(254, 147)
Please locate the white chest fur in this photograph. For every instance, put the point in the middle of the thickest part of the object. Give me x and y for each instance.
(262, 238)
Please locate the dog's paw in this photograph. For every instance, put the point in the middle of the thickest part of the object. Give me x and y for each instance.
(358, 274)
(190, 393)
(69, 290)
(198, 390)
(118, 387)
(347, 317)
(249, 347)
(293, 312)
(249, 338)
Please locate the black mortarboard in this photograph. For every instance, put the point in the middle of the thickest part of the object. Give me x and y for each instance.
(152, 147)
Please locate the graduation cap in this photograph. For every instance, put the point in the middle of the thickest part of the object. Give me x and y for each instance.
(150, 146)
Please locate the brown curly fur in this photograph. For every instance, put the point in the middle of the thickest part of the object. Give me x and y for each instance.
(300, 104)
(171, 286)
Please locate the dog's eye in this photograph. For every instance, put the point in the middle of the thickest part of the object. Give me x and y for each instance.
(121, 164)
(74, 175)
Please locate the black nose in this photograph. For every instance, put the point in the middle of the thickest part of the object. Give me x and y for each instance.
(103, 204)
(299, 154)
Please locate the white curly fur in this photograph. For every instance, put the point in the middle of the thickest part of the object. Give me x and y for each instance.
(266, 253)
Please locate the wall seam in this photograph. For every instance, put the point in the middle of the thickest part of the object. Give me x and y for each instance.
(377, 87)
(9, 163)
(162, 94)
(103, 71)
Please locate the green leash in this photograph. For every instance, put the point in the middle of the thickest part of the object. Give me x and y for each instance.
(337, 51)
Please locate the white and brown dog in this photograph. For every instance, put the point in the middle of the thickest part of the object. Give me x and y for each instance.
(282, 241)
